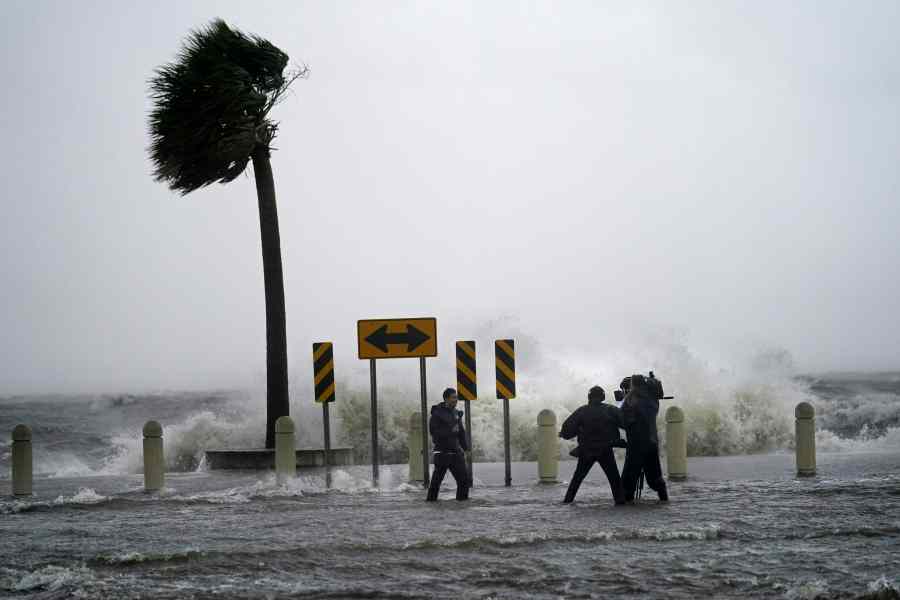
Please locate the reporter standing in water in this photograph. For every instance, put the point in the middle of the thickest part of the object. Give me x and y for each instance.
(597, 427)
(639, 410)
(450, 444)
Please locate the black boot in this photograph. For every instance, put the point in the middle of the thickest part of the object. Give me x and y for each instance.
(662, 491)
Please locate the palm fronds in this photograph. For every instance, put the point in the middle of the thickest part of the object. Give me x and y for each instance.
(211, 105)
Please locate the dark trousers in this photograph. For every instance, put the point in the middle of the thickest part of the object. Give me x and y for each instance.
(607, 462)
(644, 457)
(456, 464)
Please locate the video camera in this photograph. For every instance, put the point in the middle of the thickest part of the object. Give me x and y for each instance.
(649, 382)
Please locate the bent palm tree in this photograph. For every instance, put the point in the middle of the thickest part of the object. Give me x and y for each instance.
(209, 119)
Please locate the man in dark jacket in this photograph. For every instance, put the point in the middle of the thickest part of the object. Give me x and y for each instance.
(639, 410)
(597, 427)
(450, 443)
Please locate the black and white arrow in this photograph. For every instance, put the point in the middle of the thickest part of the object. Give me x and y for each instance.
(413, 338)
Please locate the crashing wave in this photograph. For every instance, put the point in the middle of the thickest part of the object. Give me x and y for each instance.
(49, 578)
(742, 405)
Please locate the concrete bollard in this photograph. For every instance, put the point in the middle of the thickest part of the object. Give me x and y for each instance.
(22, 466)
(416, 468)
(285, 450)
(548, 447)
(805, 440)
(154, 459)
(676, 444)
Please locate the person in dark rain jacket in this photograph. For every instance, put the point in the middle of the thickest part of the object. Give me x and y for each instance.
(596, 425)
(639, 409)
(450, 444)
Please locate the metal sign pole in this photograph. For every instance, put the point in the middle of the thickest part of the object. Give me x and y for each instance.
(327, 435)
(397, 338)
(424, 421)
(506, 441)
(323, 383)
(467, 387)
(374, 420)
(468, 406)
(505, 362)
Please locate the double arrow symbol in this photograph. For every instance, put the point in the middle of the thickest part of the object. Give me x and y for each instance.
(413, 338)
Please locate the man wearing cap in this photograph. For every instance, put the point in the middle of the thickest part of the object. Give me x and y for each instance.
(596, 425)
(450, 444)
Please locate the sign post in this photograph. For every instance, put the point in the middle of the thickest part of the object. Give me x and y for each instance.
(505, 361)
(397, 338)
(467, 388)
(374, 419)
(424, 422)
(323, 379)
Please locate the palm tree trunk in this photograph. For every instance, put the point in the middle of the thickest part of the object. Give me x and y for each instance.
(277, 400)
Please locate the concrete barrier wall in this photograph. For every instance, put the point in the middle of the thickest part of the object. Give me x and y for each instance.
(285, 449)
(416, 469)
(548, 447)
(676, 444)
(22, 464)
(805, 439)
(154, 459)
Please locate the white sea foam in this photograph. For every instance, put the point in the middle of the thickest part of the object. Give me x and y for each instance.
(63, 464)
(700, 533)
(50, 578)
(826, 441)
(185, 443)
(885, 587)
(808, 590)
(82, 496)
(134, 557)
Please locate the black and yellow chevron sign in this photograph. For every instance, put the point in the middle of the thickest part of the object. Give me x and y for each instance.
(466, 382)
(323, 371)
(505, 358)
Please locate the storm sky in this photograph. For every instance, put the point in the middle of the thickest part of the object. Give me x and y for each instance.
(725, 172)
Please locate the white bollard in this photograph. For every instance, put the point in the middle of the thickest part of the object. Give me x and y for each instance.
(416, 469)
(676, 444)
(805, 440)
(154, 459)
(285, 450)
(548, 447)
(22, 467)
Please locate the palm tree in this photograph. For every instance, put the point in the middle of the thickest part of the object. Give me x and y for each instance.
(210, 117)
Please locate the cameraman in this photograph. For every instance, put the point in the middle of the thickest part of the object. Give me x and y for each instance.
(639, 409)
(597, 427)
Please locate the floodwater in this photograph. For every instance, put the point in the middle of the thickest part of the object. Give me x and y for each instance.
(739, 527)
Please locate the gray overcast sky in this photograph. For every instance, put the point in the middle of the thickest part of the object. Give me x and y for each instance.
(723, 170)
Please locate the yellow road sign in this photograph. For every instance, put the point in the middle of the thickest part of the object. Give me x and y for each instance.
(323, 371)
(505, 358)
(397, 338)
(466, 381)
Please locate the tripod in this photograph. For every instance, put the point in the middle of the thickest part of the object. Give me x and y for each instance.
(640, 486)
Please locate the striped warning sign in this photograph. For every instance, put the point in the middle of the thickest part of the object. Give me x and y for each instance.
(466, 382)
(323, 370)
(505, 358)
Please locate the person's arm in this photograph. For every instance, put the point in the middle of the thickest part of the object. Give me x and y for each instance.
(435, 427)
(571, 425)
(617, 414)
(628, 410)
